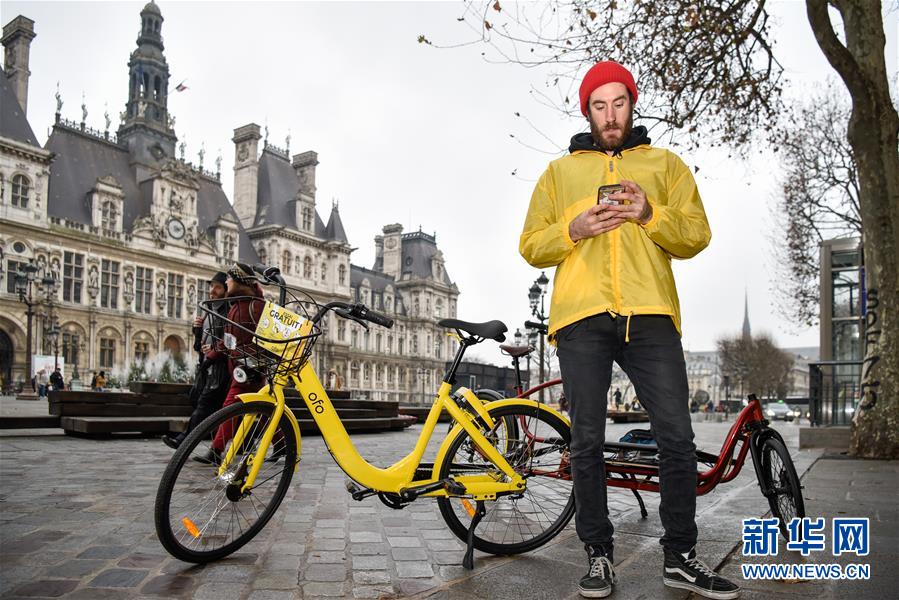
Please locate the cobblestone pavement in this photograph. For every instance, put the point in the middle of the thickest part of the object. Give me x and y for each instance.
(76, 521)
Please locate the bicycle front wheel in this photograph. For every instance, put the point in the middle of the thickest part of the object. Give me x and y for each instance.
(780, 477)
(202, 516)
(535, 442)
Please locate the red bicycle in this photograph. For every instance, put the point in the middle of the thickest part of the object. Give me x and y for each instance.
(634, 464)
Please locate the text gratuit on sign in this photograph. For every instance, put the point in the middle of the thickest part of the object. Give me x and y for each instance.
(278, 324)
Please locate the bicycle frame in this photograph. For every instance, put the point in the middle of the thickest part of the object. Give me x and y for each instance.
(749, 429)
(749, 422)
(401, 475)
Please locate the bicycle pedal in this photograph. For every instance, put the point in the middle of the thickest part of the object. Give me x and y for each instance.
(454, 488)
(357, 491)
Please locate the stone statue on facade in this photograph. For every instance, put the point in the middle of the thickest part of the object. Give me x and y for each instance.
(160, 293)
(83, 109)
(201, 154)
(58, 100)
(93, 281)
(128, 292)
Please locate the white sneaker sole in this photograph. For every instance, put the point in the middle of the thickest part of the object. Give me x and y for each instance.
(701, 591)
(594, 593)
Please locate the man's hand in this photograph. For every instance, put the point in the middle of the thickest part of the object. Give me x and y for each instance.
(205, 348)
(639, 210)
(594, 221)
(198, 322)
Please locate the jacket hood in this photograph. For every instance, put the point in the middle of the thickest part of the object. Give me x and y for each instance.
(584, 140)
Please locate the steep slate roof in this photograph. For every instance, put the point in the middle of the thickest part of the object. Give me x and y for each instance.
(334, 230)
(81, 159)
(276, 193)
(13, 123)
(275, 199)
(420, 248)
(378, 282)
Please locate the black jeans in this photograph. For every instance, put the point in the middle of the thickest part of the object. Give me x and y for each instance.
(212, 395)
(653, 359)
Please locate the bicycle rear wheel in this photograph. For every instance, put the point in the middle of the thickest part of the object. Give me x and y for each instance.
(780, 476)
(202, 516)
(535, 442)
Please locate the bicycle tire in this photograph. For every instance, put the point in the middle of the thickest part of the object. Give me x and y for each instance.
(779, 475)
(551, 512)
(188, 526)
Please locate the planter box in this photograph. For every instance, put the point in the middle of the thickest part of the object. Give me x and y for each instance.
(152, 387)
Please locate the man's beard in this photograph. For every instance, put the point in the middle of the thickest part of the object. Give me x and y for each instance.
(599, 142)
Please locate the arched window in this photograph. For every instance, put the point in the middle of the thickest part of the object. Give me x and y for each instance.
(21, 191)
(307, 219)
(286, 260)
(341, 274)
(109, 216)
(263, 256)
(307, 267)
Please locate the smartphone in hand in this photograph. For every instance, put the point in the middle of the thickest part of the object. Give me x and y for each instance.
(602, 195)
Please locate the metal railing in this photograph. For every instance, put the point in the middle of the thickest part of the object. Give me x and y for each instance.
(834, 391)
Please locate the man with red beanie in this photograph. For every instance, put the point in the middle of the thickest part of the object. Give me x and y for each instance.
(614, 300)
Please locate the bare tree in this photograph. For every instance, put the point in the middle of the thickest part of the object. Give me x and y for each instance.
(709, 70)
(757, 363)
(818, 200)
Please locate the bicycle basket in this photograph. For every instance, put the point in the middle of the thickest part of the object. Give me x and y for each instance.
(263, 339)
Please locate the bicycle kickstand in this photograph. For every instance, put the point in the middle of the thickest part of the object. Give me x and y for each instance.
(643, 513)
(468, 559)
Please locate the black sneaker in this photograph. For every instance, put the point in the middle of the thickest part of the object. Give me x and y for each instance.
(598, 581)
(689, 573)
(171, 442)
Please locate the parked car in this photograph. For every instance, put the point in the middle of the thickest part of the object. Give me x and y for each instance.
(781, 411)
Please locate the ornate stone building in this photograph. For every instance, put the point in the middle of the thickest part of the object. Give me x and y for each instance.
(128, 232)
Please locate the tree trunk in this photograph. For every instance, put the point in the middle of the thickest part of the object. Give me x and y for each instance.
(873, 131)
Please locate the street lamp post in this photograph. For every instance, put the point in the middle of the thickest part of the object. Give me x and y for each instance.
(536, 295)
(25, 282)
(53, 336)
(421, 378)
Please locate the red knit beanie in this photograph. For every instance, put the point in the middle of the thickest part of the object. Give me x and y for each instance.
(602, 73)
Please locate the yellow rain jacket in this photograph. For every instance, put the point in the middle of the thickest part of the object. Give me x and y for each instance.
(626, 271)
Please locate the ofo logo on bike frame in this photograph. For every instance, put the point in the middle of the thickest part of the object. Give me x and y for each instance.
(807, 535)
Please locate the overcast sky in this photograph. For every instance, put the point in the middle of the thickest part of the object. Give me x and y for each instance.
(410, 134)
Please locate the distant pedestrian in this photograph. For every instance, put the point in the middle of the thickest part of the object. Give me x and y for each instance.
(93, 381)
(56, 381)
(617, 397)
(42, 382)
(563, 403)
(101, 381)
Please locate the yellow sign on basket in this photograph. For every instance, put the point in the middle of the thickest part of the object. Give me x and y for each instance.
(278, 323)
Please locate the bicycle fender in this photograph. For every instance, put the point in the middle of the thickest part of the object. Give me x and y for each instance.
(257, 397)
(444, 446)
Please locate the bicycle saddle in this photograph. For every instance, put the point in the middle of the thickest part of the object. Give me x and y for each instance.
(490, 330)
(516, 351)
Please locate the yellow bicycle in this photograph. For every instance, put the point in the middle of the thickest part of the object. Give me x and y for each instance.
(501, 476)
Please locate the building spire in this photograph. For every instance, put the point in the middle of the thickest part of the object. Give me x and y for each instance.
(747, 332)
